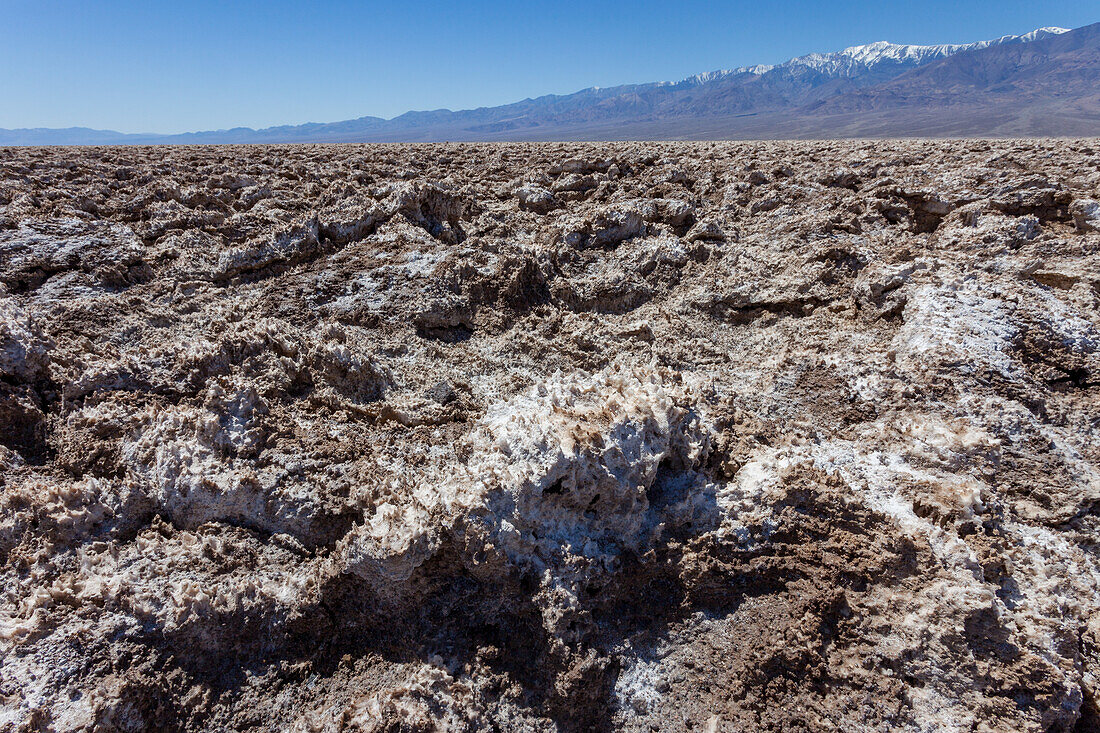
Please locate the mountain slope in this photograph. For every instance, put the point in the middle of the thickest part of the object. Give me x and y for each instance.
(752, 90)
(1058, 67)
(1040, 83)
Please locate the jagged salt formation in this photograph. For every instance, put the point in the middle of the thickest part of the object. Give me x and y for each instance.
(781, 436)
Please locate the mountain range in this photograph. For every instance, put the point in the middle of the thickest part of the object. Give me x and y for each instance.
(1042, 83)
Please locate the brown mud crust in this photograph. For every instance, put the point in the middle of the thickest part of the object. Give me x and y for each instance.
(534, 437)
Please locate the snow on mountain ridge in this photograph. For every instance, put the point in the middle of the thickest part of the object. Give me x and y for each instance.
(872, 53)
(866, 56)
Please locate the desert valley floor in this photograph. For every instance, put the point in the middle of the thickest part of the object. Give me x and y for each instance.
(631, 436)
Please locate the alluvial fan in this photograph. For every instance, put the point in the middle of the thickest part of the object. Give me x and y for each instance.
(630, 436)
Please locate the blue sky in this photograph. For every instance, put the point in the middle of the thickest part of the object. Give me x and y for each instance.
(176, 66)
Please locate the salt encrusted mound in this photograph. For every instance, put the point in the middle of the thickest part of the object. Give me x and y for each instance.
(555, 481)
(23, 352)
(781, 436)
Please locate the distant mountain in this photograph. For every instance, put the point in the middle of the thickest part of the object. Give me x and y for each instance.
(1046, 82)
(1063, 66)
(858, 60)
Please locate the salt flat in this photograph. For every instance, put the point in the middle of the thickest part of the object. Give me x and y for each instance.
(619, 436)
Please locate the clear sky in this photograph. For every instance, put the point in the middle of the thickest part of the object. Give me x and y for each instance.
(160, 66)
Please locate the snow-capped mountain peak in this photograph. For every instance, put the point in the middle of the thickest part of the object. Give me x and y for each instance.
(872, 54)
(869, 55)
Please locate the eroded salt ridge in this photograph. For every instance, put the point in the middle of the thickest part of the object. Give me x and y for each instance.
(780, 436)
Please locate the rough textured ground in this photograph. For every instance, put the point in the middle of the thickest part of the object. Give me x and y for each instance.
(771, 436)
